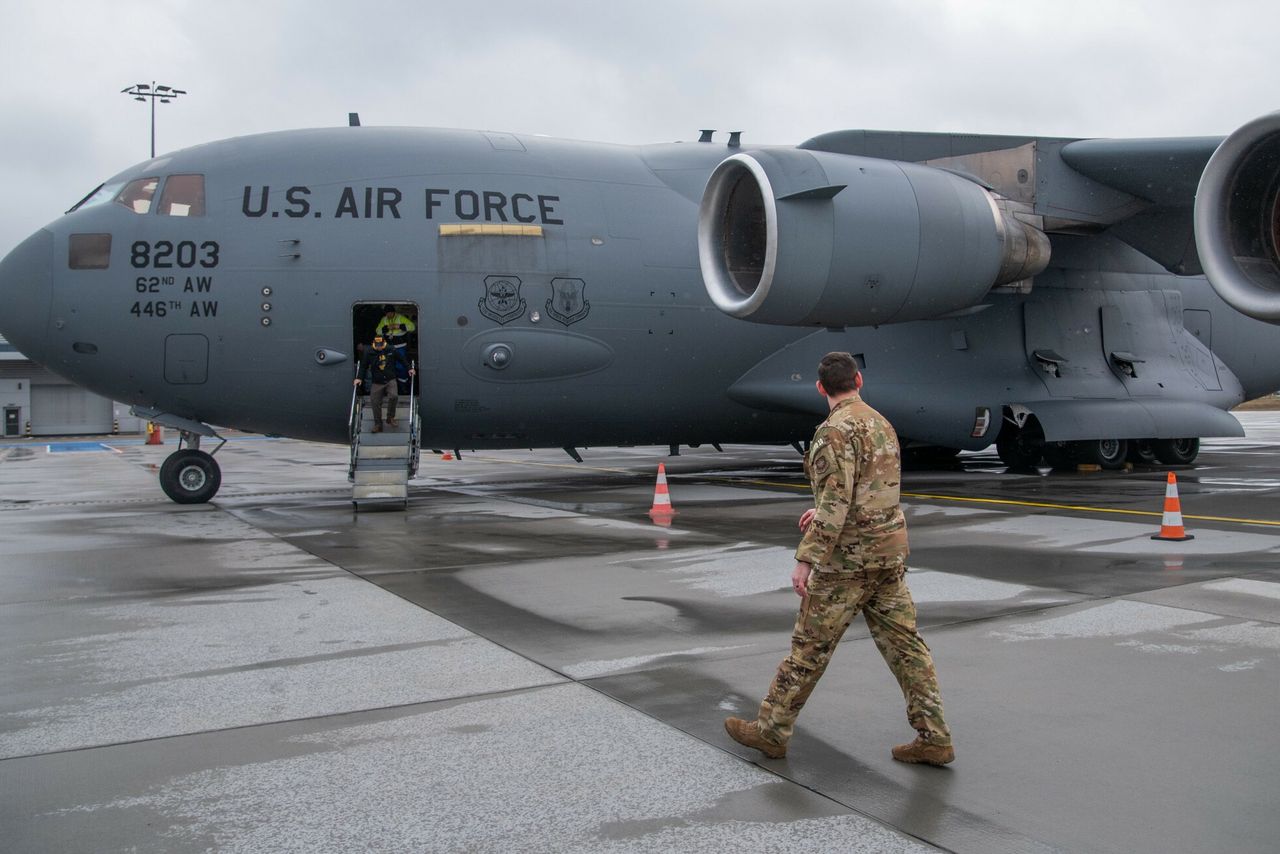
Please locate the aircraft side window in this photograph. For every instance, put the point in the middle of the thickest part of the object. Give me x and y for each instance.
(183, 196)
(89, 252)
(137, 194)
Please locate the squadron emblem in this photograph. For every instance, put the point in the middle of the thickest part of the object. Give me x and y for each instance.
(567, 303)
(502, 302)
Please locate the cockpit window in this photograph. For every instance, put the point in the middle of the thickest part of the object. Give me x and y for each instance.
(137, 194)
(183, 196)
(102, 194)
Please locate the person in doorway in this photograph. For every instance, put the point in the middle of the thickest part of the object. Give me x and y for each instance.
(852, 558)
(378, 365)
(395, 327)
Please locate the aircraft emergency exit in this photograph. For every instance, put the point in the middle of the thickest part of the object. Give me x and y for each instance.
(1071, 300)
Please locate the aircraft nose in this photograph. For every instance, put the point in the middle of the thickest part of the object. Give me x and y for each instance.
(26, 292)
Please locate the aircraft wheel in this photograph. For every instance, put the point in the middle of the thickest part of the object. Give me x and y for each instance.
(1142, 452)
(1176, 451)
(190, 477)
(1022, 449)
(1108, 453)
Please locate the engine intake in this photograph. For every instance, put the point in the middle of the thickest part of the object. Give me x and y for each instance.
(797, 238)
(1237, 219)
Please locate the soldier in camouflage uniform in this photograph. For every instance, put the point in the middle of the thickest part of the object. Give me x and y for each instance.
(852, 558)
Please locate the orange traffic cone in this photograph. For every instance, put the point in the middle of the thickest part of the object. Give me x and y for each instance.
(661, 511)
(446, 456)
(1171, 524)
(154, 437)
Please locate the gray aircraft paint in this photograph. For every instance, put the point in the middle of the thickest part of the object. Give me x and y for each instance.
(608, 332)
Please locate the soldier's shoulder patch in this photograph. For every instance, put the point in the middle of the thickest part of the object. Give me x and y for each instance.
(824, 460)
(831, 435)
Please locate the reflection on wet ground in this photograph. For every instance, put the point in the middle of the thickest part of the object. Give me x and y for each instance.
(524, 657)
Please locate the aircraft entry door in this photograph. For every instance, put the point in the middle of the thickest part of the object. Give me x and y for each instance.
(397, 320)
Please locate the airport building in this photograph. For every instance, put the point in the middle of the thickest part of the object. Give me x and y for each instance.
(37, 402)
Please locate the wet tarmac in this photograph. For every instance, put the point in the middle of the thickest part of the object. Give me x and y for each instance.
(524, 661)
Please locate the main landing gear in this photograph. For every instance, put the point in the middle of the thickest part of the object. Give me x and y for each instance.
(1024, 447)
(189, 475)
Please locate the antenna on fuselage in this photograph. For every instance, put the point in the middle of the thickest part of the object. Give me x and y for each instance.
(353, 120)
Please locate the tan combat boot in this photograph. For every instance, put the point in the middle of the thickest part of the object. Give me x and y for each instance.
(924, 752)
(748, 733)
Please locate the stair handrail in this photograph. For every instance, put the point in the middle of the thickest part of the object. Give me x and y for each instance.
(413, 420)
(353, 424)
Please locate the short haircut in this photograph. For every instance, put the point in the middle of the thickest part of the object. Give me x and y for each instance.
(838, 373)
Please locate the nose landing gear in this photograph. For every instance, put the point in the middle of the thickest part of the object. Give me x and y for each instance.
(189, 475)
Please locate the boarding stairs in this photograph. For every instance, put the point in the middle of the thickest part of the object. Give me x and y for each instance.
(382, 463)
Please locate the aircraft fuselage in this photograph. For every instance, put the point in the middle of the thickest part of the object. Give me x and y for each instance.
(559, 300)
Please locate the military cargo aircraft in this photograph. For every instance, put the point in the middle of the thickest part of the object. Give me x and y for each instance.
(1070, 300)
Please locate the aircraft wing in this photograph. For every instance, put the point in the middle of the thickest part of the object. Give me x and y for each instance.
(1143, 190)
(1197, 205)
(1162, 173)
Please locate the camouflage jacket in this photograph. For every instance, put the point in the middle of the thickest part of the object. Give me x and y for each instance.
(854, 467)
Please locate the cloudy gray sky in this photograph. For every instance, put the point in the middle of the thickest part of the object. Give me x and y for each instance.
(618, 72)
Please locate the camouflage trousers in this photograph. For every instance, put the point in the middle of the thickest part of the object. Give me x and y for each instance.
(834, 599)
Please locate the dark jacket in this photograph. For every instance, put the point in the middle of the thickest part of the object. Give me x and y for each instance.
(381, 364)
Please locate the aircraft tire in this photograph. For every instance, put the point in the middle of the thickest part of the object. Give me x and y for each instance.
(1110, 454)
(1142, 452)
(1176, 452)
(1023, 449)
(190, 477)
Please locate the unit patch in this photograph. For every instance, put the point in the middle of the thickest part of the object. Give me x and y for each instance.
(567, 303)
(502, 301)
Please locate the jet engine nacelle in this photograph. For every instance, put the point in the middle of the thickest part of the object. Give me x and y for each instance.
(1237, 219)
(796, 237)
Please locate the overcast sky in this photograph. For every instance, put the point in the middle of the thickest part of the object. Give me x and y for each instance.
(618, 72)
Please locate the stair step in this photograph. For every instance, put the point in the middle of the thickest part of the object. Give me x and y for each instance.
(399, 466)
(401, 411)
(384, 439)
(382, 476)
(382, 452)
(366, 492)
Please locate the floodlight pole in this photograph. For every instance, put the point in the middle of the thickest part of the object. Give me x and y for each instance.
(150, 91)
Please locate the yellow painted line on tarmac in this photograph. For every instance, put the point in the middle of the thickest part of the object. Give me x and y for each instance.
(1085, 508)
(804, 487)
